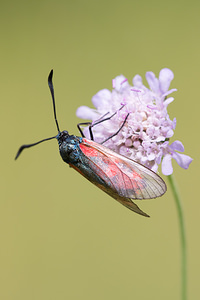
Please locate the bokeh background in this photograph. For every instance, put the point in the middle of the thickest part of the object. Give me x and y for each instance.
(61, 237)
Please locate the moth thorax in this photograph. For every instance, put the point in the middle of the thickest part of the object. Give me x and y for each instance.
(69, 149)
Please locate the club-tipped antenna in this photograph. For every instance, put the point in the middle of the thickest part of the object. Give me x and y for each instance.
(31, 145)
(54, 109)
(50, 83)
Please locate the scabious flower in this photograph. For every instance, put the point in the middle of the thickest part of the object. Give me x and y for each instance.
(148, 128)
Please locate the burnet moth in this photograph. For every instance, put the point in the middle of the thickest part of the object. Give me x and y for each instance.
(118, 176)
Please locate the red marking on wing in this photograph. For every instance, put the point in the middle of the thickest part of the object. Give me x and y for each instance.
(88, 151)
(120, 177)
(110, 165)
(128, 178)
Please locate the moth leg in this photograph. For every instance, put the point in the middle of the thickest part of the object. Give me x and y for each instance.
(90, 126)
(80, 130)
(100, 120)
(110, 137)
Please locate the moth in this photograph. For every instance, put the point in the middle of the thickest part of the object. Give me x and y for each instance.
(122, 178)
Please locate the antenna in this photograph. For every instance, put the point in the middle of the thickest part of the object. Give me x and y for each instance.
(54, 110)
(31, 145)
(50, 83)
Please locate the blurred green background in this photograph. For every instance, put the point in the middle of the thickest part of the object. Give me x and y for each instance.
(61, 237)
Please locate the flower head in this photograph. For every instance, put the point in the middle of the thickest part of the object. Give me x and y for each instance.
(148, 128)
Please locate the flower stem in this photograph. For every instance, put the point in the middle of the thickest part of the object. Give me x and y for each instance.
(182, 237)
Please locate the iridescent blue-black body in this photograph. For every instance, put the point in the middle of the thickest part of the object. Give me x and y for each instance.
(71, 153)
(69, 147)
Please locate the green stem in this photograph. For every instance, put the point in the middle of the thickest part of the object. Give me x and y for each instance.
(182, 237)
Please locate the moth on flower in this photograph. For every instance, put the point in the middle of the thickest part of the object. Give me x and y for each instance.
(118, 176)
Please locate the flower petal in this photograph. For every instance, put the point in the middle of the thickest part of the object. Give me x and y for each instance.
(168, 92)
(152, 81)
(167, 168)
(165, 78)
(170, 133)
(174, 123)
(177, 145)
(168, 101)
(84, 112)
(120, 82)
(101, 99)
(137, 81)
(183, 160)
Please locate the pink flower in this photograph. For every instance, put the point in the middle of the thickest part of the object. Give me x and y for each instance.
(146, 133)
